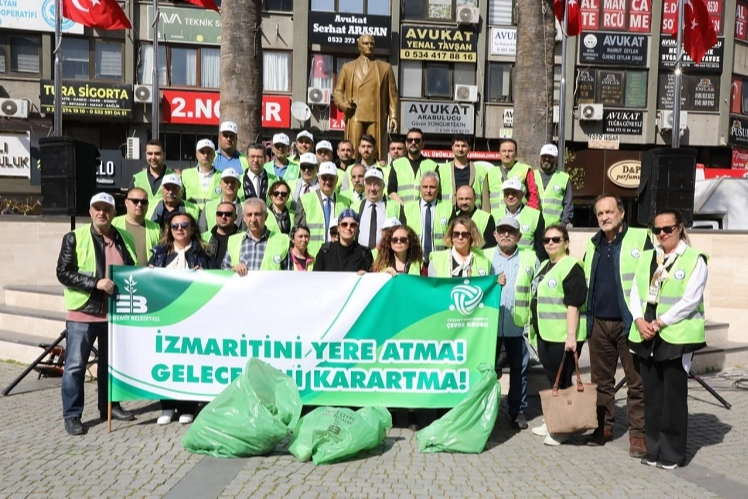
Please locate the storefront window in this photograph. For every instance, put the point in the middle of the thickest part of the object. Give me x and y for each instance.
(210, 68)
(183, 67)
(373, 7)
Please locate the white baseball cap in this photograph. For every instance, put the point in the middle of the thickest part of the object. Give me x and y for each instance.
(103, 197)
(303, 134)
(374, 173)
(324, 144)
(512, 184)
(230, 173)
(228, 126)
(205, 143)
(327, 168)
(308, 158)
(391, 222)
(281, 138)
(172, 178)
(549, 150)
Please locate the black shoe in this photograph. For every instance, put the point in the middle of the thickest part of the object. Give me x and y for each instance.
(649, 462)
(520, 422)
(74, 426)
(119, 414)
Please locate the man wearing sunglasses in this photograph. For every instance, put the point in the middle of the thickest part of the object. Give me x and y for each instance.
(229, 194)
(465, 206)
(304, 144)
(554, 188)
(530, 222)
(227, 156)
(509, 168)
(610, 263)
(171, 200)
(256, 180)
(201, 184)
(406, 172)
(217, 238)
(144, 232)
(307, 182)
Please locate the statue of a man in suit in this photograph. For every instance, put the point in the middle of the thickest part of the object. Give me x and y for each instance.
(366, 92)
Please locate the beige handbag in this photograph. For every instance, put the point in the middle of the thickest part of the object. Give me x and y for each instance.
(573, 409)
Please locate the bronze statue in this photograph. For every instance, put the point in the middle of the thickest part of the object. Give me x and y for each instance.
(366, 92)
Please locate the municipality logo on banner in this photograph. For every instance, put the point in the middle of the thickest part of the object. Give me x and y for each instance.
(131, 303)
(466, 298)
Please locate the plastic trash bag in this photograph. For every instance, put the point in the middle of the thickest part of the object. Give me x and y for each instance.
(467, 426)
(332, 434)
(249, 417)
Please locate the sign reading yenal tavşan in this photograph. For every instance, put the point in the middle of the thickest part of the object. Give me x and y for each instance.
(425, 43)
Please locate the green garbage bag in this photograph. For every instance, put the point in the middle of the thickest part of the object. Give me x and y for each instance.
(332, 434)
(249, 417)
(466, 427)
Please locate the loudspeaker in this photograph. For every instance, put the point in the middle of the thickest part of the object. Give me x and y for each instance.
(68, 175)
(668, 180)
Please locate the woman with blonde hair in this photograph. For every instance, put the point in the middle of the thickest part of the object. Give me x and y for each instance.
(463, 256)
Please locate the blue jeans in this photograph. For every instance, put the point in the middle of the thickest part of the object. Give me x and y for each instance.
(79, 341)
(519, 361)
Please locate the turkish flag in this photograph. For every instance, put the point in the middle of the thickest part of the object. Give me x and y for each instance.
(205, 4)
(101, 14)
(698, 30)
(574, 26)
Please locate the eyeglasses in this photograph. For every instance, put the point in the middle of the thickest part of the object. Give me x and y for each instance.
(461, 235)
(401, 240)
(345, 225)
(667, 229)
(412, 140)
(306, 167)
(283, 194)
(138, 201)
(554, 239)
(222, 214)
(506, 230)
(183, 225)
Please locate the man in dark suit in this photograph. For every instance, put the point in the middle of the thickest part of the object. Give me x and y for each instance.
(255, 181)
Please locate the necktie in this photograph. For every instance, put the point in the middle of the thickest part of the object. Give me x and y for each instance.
(256, 182)
(327, 218)
(428, 234)
(306, 188)
(373, 227)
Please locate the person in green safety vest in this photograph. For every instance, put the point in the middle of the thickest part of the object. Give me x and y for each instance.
(82, 267)
(530, 222)
(144, 232)
(461, 171)
(509, 168)
(149, 179)
(307, 181)
(254, 183)
(259, 248)
(367, 150)
(357, 190)
(171, 193)
(405, 175)
(324, 151)
(667, 304)
(304, 144)
(396, 150)
(463, 256)
(281, 166)
(465, 205)
(399, 252)
(217, 238)
(345, 159)
(202, 183)
(554, 188)
(227, 156)
(558, 299)
(428, 216)
(229, 194)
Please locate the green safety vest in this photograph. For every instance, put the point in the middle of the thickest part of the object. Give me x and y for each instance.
(481, 219)
(243, 161)
(391, 208)
(152, 232)
(445, 175)
(315, 218)
(141, 180)
(275, 251)
(551, 309)
(442, 261)
(528, 224)
(523, 284)
(292, 172)
(193, 187)
(190, 208)
(408, 184)
(442, 212)
(552, 196)
(632, 247)
(85, 257)
(688, 331)
(415, 268)
(495, 181)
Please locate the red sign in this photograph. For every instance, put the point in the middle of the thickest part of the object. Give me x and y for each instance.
(710, 173)
(616, 15)
(736, 95)
(740, 159)
(714, 7)
(203, 108)
(741, 21)
(337, 118)
(474, 155)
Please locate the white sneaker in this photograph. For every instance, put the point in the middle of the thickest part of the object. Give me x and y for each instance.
(555, 440)
(541, 431)
(166, 416)
(186, 418)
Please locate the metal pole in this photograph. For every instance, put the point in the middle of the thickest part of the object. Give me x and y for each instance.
(155, 102)
(678, 79)
(57, 119)
(562, 92)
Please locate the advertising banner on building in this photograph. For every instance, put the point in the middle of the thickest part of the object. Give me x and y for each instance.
(438, 117)
(711, 63)
(472, 155)
(616, 15)
(203, 108)
(504, 41)
(739, 159)
(715, 8)
(329, 28)
(623, 122)
(85, 98)
(373, 340)
(15, 155)
(182, 25)
(33, 15)
(613, 48)
(699, 92)
(738, 131)
(443, 43)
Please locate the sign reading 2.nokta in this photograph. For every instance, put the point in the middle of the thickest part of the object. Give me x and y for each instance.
(429, 43)
(204, 108)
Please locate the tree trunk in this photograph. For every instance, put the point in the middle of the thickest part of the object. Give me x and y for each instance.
(533, 79)
(241, 68)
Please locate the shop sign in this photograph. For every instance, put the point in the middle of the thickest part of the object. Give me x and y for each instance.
(34, 15)
(504, 41)
(625, 173)
(472, 155)
(712, 61)
(738, 131)
(739, 159)
(699, 92)
(438, 117)
(603, 141)
(337, 118)
(444, 43)
(203, 108)
(83, 98)
(709, 173)
(181, 25)
(622, 122)
(613, 48)
(15, 155)
(616, 15)
(329, 28)
(508, 117)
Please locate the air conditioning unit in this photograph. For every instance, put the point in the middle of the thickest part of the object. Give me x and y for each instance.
(143, 94)
(14, 108)
(590, 112)
(466, 93)
(666, 120)
(319, 96)
(133, 148)
(467, 13)
(555, 114)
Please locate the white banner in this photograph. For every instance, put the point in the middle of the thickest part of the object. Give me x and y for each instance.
(15, 155)
(504, 41)
(448, 118)
(33, 15)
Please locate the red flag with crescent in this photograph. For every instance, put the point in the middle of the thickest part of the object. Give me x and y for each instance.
(100, 14)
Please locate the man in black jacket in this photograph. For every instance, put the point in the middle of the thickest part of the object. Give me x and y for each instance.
(85, 256)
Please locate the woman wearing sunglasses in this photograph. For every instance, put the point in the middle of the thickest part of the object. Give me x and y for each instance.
(463, 256)
(667, 304)
(299, 258)
(280, 221)
(345, 254)
(180, 248)
(559, 290)
(399, 252)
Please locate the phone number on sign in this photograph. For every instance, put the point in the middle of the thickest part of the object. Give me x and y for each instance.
(122, 113)
(433, 55)
(348, 40)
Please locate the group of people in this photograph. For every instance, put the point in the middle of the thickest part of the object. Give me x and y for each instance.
(234, 211)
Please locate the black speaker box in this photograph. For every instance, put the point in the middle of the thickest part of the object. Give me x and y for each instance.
(668, 179)
(68, 175)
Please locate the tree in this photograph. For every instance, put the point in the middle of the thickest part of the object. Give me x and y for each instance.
(241, 68)
(533, 78)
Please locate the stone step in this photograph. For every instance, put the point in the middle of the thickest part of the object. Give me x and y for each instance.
(33, 321)
(20, 347)
(41, 297)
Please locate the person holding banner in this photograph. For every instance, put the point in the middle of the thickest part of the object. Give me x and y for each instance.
(463, 256)
(299, 258)
(399, 252)
(346, 254)
(559, 291)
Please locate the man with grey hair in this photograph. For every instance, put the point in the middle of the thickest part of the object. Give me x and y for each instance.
(259, 248)
(427, 216)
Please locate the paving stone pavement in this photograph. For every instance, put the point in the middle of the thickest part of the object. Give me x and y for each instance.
(141, 459)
